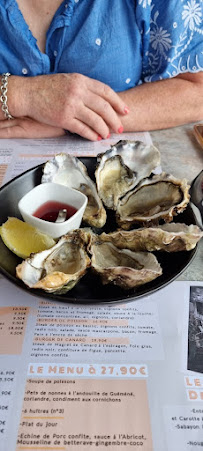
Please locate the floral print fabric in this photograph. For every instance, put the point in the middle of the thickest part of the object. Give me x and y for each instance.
(122, 43)
(172, 38)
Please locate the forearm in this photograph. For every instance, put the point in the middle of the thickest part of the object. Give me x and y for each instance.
(163, 104)
(157, 105)
(62, 101)
(19, 96)
(72, 102)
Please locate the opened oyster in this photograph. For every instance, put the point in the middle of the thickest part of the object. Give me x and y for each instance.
(70, 171)
(172, 237)
(114, 179)
(126, 185)
(159, 197)
(122, 167)
(124, 268)
(57, 269)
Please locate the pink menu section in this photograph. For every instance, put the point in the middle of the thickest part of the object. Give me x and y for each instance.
(78, 414)
(12, 329)
(3, 169)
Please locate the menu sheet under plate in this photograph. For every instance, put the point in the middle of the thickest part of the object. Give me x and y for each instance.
(99, 377)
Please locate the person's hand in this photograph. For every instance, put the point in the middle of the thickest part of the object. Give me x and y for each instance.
(73, 102)
(28, 128)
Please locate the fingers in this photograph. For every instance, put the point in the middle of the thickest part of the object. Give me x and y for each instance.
(94, 104)
(94, 121)
(82, 129)
(27, 128)
(7, 128)
(104, 91)
(73, 102)
(109, 119)
(108, 106)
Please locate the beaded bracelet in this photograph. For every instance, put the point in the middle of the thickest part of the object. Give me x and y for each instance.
(3, 98)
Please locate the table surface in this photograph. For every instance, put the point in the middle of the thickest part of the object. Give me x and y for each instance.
(182, 156)
(154, 344)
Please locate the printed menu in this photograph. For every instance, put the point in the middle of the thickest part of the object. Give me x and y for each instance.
(24, 154)
(118, 376)
(75, 377)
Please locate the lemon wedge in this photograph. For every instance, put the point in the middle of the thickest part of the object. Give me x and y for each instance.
(23, 239)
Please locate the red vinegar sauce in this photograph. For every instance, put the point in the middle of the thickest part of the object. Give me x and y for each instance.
(49, 211)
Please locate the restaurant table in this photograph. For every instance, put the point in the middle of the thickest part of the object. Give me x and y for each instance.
(124, 376)
(182, 156)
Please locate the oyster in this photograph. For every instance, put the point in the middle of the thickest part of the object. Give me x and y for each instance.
(122, 167)
(113, 179)
(57, 269)
(70, 171)
(141, 158)
(171, 237)
(160, 197)
(124, 268)
(196, 201)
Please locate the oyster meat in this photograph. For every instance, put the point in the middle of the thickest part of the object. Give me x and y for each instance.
(113, 179)
(126, 184)
(171, 237)
(160, 197)
(70, 171)
(123, 267)
(58, 269)
(122, 167)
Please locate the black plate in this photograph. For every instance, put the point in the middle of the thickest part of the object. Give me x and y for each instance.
(89, 289)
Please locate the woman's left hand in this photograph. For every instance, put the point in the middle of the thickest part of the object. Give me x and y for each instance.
(28, 128)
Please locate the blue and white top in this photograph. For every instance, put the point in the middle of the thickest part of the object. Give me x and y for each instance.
(122, 43)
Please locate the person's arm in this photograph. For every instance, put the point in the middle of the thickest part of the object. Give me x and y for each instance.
(164, 104)
(25, 127)
(62, 101)
(22, 127)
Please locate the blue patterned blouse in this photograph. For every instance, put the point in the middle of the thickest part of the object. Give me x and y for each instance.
(120, 42)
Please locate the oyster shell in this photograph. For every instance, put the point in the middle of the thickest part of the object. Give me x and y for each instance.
(70, 171)
(57, 269)
(113, 179)
(141, 158)
(122, 167)
(171, 237)
(196, 201)
(160, 197)
(124, 268)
